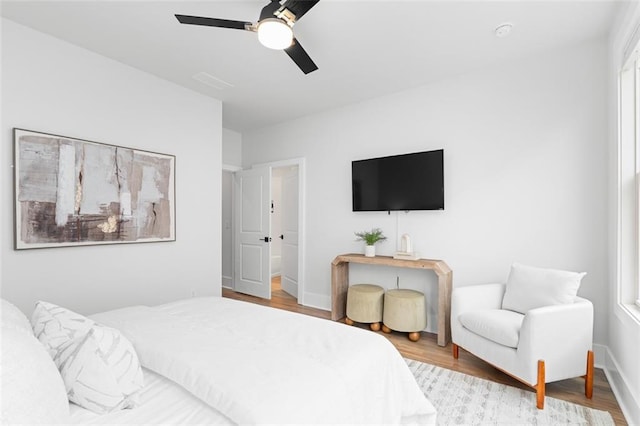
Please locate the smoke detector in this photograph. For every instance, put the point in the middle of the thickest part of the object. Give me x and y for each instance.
(503, 30)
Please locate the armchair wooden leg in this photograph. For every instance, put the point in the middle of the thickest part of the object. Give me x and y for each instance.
(588, 380)
(540, 386)
(456, 351)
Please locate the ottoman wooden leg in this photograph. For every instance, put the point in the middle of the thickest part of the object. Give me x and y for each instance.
(386, 329)
(414, 336)
(348, 321)
(375, 326)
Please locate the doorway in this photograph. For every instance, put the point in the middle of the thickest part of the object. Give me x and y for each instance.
(245, 265)
(284, 228)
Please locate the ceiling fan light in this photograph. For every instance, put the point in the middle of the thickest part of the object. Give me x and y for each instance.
(275, 34)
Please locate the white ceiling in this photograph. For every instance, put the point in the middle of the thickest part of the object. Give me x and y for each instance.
(363, 48)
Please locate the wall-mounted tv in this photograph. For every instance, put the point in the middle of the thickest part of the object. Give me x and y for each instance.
(399, 182)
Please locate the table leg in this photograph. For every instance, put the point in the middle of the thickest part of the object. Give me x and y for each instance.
(444, 308)
(339, 288)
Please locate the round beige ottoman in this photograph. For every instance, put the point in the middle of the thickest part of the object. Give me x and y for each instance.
(364, 304)
(404, 310)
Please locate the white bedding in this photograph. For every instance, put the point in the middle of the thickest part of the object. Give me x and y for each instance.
(262, 365)
(161, 401)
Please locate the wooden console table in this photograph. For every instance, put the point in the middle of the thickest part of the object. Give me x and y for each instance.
(340, 285)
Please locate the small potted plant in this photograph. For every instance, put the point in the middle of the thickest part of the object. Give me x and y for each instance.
(370, 238)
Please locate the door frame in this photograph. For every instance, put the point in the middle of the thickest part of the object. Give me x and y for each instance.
(300, 162)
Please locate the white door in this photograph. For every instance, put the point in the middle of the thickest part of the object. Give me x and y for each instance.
(289, 235)
(253, 252)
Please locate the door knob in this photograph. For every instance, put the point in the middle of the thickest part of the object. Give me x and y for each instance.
(265, 239)
(282, 236)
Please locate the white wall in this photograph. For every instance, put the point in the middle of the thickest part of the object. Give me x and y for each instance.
(525, 174)
(231, 148)
(52, 86)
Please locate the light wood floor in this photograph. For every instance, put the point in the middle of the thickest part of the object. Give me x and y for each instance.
(427, 350)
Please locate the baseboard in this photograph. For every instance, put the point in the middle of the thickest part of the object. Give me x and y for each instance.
(227, 282)
(629, 405)
(318, 301)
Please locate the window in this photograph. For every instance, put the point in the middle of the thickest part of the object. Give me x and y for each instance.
(629, 182)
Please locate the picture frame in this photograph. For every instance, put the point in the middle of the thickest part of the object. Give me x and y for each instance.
(76, 192)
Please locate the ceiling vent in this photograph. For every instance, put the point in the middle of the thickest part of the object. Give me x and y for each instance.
(212, 81)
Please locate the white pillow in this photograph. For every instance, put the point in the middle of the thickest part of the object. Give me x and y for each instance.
(529, 288)
(101, 370)
(54, 326)
(99, 366)
(13, 317)
(32, 389)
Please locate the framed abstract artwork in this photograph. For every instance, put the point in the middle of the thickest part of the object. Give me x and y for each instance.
(71, 192)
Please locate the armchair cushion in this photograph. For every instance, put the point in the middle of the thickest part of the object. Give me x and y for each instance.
(529, 288)
(498, 325)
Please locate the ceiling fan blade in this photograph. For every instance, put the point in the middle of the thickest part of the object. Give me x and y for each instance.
(299, 7)
(214, 22)
(300, 57)
(269, 10)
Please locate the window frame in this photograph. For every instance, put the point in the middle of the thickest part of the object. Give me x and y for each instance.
(636, 136)
(628, 186)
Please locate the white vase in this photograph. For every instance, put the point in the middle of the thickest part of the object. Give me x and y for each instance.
(370, 251)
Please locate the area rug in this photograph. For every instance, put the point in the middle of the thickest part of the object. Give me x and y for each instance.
(466, 400)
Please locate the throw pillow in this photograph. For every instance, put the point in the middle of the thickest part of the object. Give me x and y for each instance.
(101, 370)
(99, 366)
(530, 288)
(54, 326)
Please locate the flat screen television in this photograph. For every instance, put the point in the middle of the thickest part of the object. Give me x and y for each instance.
(399, 182)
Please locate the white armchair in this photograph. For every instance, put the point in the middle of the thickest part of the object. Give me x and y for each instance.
(543, 344)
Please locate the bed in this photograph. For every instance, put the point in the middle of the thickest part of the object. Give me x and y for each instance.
(161, 401)
(221, 361)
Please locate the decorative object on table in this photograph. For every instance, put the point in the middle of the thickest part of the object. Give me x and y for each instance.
(406, 249)
(534, 327)
(404, 310)
(71, 192)
(370, 238)
(364, 305)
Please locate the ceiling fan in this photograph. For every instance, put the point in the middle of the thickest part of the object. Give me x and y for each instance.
(274, 28)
